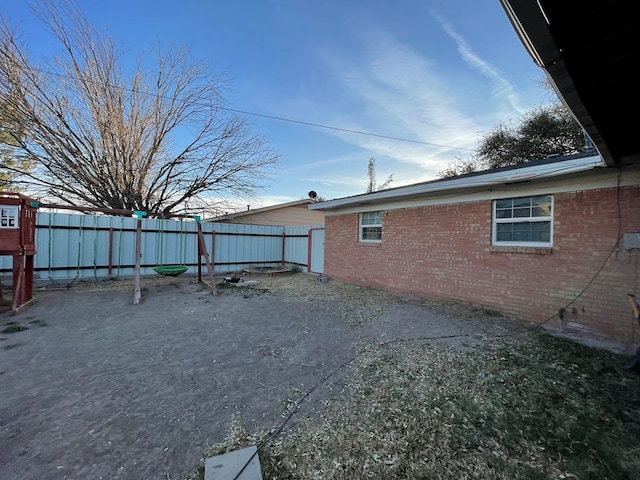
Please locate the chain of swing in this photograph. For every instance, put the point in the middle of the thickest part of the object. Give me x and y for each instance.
(81, 233)
(172, 269)
(160, 267)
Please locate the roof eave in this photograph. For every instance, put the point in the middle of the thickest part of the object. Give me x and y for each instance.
(532, 27)
(484, 180)
(244, 213)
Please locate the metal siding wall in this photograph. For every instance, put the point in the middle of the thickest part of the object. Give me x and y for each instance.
(296, 247)
(59, 250)
(175, 242)
(70, 246)
(123, 249)
(242, 245)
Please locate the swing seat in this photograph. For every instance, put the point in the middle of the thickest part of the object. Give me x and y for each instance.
(170, 270)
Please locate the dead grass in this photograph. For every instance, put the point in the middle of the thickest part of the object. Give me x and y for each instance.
(527, 408)
(356, 305)
(548, 409)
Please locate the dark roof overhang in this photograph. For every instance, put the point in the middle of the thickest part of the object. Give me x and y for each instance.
(588, 50)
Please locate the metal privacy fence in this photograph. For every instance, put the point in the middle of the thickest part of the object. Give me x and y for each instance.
(70, 246)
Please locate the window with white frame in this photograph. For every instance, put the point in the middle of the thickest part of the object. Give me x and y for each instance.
(523, 221)
(370, 227)
(8, 216)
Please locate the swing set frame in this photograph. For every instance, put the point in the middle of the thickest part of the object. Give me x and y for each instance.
(170, 270)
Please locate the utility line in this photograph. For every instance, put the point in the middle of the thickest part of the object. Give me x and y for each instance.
(347, 130)
(271, 117)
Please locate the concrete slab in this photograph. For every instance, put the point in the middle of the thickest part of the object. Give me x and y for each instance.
(592, 339)
(229, 465)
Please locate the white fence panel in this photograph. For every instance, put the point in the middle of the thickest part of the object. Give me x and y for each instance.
(71, 246)
(296, 245)
(238, 246)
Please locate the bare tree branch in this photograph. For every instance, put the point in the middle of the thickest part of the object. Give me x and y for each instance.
(372, 186)
(100, 136)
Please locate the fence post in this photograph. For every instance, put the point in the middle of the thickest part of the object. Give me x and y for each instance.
(138, 255)
(284, 237)
(309, 233)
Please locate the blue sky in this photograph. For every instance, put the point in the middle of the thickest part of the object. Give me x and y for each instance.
(442, 72)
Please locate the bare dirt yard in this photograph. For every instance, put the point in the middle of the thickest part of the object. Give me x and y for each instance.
(92, 386)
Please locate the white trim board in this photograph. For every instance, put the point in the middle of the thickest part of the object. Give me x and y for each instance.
(581, 181)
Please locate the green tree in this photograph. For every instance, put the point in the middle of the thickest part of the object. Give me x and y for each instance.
(151, 138)
(539, 133)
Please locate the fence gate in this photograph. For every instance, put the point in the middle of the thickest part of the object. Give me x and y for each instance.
(316, 250)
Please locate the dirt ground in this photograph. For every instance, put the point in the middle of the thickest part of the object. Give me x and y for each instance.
(96, 387)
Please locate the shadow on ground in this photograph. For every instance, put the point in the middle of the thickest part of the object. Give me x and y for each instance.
(96, 387)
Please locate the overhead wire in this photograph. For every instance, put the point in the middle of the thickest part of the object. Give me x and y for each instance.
(271, 117)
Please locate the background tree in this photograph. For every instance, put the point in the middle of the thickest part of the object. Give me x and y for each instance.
(540, 132)
(372, 186)
(149, 140)
(11, 131)
(460, 166)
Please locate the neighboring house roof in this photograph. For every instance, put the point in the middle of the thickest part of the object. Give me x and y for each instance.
(272, 209)
(524, 172)
(588, 49)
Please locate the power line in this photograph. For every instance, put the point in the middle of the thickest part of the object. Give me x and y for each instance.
(347, 130)
(272, 117)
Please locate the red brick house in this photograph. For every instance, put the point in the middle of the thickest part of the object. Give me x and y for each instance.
(539, 241)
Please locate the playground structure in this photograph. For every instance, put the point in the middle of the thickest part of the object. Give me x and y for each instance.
(171, 270)
(18, 232)
(17, 238)
(176, 269)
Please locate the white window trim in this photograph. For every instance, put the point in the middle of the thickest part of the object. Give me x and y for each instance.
(495, 221)
(10, 215)
(361, 227)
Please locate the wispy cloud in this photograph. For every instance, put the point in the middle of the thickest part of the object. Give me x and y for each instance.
(400, 93)
(305, 167)
(396, 90)
(502, 87)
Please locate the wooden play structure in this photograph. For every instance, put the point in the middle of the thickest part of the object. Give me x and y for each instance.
(17, 238)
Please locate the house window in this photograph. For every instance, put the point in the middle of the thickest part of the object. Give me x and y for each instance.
(524, 221)
(8, 217)
(371, 227)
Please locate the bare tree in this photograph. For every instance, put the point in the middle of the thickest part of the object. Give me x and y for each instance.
(149, 140)
(11, 127)
(371, 173)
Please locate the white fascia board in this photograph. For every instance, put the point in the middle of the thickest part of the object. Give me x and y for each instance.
(467, 182)
(582, 181)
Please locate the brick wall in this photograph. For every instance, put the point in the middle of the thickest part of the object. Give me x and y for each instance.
(445, 252)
